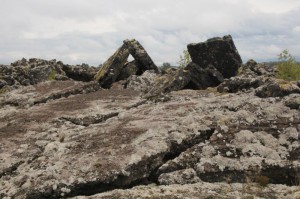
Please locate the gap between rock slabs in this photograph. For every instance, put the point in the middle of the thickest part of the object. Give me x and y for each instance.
(11, 169)
(149, 165)
(88, 120)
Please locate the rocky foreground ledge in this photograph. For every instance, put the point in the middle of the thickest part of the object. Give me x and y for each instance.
(214, 129)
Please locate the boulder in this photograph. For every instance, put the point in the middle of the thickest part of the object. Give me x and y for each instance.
(254, 69)
(172, 81)
(277, 88)
(143, 83)
(240, 83)
(219, 52)
(293, 101)
(140, 55)
(152, 84)
(112, 68)
(202, 78)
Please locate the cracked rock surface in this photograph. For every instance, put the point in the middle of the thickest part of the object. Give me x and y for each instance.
(94, 142)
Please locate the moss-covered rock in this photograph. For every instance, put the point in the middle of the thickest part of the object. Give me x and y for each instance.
(112, 68)
(293, 101)
(30, 72)
(277, 88)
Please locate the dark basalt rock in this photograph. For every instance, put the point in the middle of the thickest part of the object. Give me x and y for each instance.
(219, 52)
(129, 69)
(202, 78)
(30, 72)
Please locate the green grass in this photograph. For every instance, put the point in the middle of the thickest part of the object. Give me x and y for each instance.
(52, 75)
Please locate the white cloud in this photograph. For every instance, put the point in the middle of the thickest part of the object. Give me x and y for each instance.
(56, 28)
(89, 31)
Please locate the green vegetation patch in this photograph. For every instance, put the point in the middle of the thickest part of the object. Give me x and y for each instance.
(287, 68)
(184, 59)
(52, 75)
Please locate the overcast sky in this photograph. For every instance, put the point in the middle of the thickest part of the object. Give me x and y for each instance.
(89, 31)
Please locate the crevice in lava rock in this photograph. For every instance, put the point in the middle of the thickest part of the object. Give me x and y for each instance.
(279, 175)
(11, 169)
(176, 149)
(275, 174)
(88, 120)
(140, 103)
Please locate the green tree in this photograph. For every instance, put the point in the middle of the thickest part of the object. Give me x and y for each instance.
(285, 56)
(184, 59)
(287, 68)
(166, 65)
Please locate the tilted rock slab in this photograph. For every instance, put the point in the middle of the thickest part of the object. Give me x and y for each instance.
(117, 68)
(112, 68)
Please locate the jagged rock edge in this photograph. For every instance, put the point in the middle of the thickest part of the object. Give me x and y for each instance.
(150, 166)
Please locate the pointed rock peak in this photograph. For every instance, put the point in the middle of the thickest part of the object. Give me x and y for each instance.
(140, 55)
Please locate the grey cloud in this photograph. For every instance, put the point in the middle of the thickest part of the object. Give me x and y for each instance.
(80, 31)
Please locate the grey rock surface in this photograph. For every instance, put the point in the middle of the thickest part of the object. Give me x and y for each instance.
(95, 141)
